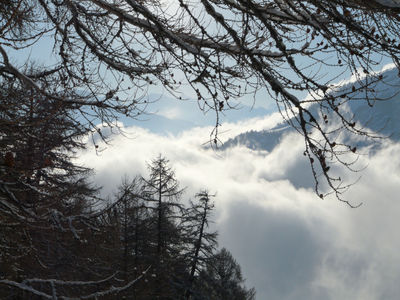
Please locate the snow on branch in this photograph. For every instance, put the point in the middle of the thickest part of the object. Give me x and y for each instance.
(26, 285)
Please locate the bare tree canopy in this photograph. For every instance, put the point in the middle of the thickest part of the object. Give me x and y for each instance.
(111, 51)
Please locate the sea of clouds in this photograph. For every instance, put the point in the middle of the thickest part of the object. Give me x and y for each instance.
(289, 242)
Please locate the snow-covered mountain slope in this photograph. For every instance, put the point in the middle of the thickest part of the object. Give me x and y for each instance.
(259, 140)
(381, 114)
(390, 3)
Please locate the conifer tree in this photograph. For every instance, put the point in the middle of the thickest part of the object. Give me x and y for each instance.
(47, 222)
(202, 243)
(163, 194)
(222, 279)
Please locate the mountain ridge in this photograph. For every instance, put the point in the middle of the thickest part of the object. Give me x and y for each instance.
(379, 115)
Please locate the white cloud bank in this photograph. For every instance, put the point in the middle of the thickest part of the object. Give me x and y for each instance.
(290, 244)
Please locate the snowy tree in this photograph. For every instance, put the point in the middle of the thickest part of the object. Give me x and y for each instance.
(113, 51)
(48, 226)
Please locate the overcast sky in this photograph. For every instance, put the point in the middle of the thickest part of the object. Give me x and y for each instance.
(289, 243)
